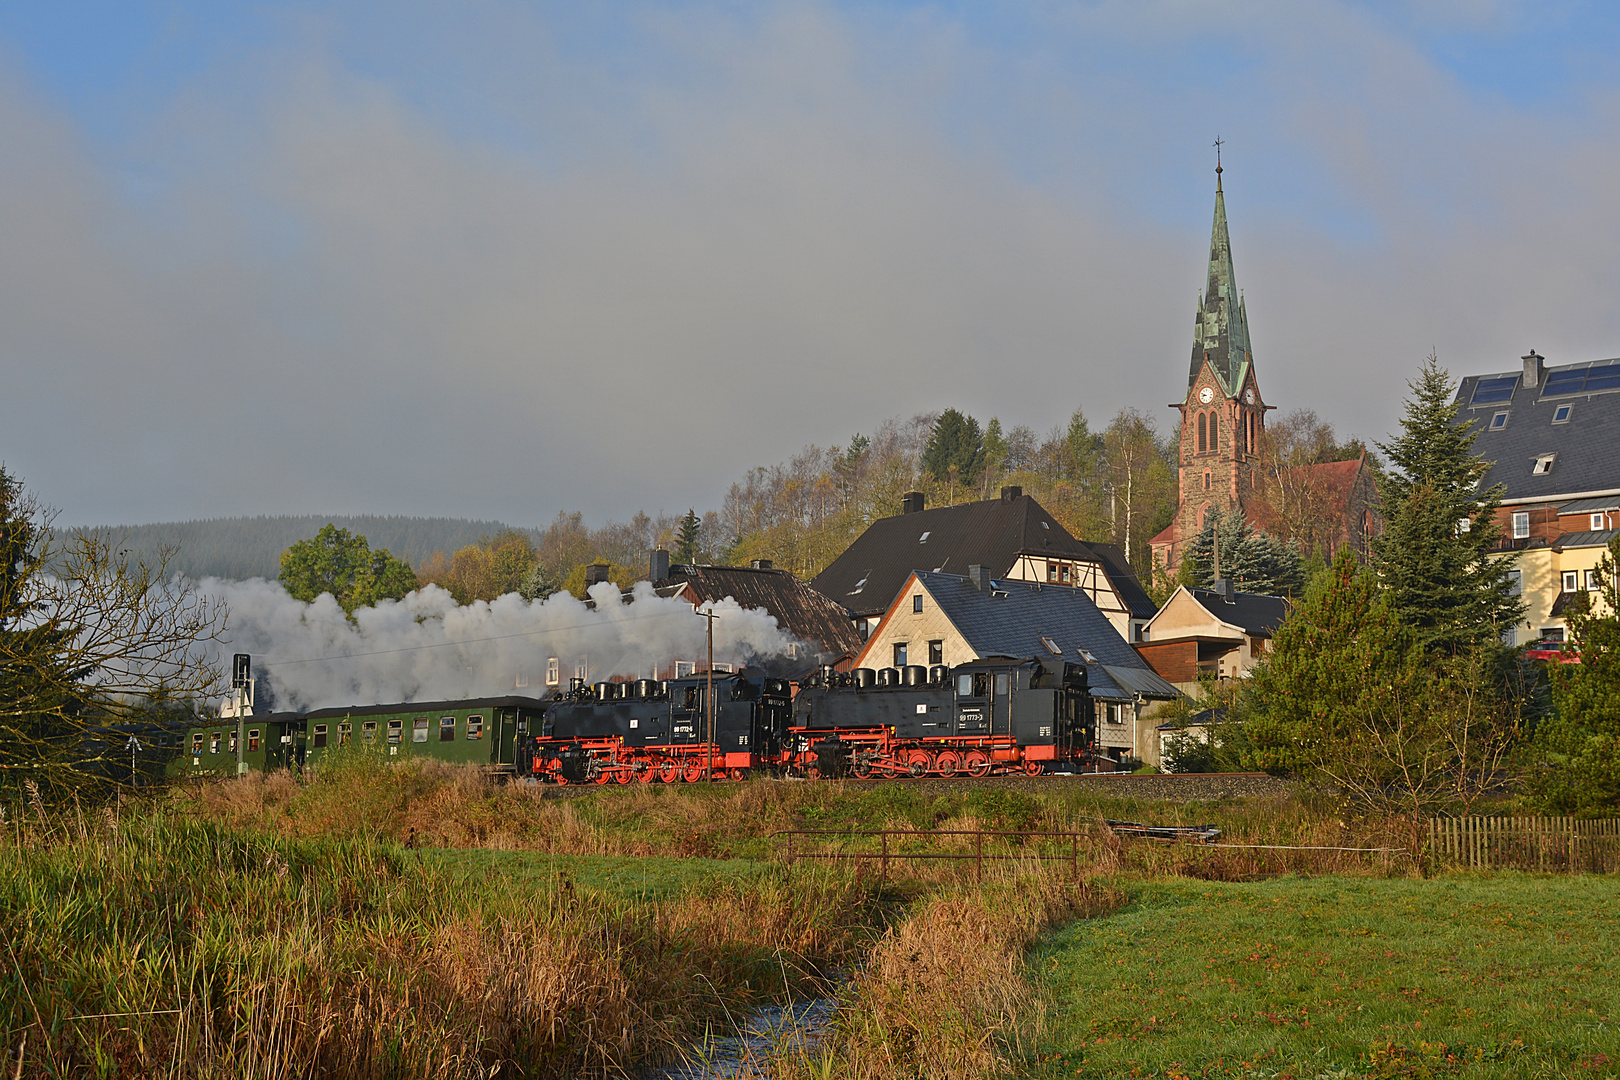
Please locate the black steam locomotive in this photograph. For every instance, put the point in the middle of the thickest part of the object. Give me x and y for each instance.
(987, 716)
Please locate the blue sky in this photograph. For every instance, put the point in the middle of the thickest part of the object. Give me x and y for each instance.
(506, 259)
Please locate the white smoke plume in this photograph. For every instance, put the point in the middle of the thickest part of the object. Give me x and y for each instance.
(427, 647)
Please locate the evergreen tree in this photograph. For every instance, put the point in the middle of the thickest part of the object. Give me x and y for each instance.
(686, 541)
(955, 448)
(1253, 562)
(1434, 559)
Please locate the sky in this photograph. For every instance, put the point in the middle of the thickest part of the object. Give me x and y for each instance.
(499, 260)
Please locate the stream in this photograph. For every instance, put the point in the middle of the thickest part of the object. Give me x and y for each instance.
(746, 1055)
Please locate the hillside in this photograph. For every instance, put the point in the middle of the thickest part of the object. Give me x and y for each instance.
(245, 547)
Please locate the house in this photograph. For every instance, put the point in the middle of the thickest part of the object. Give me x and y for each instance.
(1013, 537)
(950, 619)
(800, 611)
(1550, 576)
(1550, 434)
(1203, 726)
(1218, 632)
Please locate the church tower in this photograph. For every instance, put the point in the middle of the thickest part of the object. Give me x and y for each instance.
(1223, 415)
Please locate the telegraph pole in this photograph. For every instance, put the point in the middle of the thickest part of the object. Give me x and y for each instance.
(708, 698)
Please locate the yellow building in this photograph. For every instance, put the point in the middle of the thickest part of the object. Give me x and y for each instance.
(1551, 575)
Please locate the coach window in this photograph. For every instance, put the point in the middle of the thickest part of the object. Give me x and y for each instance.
(368, 731)
(936, 652)
(318, 738)
(447, 729)
(233, 742)
(419, 729)
(395, 731)
(253, 739)
(475, 727)
(343, 733)
(213, 742)
(900, 654)
(196, 742)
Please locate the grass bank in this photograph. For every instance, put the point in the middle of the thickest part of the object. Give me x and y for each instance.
(1499, 976)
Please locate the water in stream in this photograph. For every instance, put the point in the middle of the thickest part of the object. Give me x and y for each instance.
(746, 1055)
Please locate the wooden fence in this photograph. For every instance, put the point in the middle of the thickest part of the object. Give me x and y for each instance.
(1564, 844)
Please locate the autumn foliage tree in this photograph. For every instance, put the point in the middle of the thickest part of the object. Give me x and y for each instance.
(336, 562)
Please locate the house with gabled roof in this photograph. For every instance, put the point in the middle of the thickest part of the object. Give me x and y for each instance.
(950, 619)
(1012, 536)
(1211, 632)
(1551, 434)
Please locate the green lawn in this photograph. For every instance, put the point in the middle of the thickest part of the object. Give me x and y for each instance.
(1507, 976)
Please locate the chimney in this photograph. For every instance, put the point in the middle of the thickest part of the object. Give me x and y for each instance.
(911, 502)
(761, 564)
(596, 572)
(658, 566)
(1533, 368)
(980, 577)
(1008, 494)
(1222, 587)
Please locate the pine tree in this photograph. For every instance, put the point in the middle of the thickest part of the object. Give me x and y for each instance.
(687, 540)
(1253, 562)
(1434, 560)
(955, 449)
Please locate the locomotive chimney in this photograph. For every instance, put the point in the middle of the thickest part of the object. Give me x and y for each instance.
(596, 573)
(658, 567)
(911, 502)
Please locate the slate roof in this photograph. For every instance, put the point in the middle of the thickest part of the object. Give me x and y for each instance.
(1587, 464)
(1255, 613)
(949, 539)
(1014, 617)
(800, 610)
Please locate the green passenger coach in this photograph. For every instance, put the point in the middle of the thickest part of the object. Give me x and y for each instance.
(481, 731)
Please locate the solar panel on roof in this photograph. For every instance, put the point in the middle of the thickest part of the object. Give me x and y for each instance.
(1492, 390)
(1565, 382)
(1603, 377)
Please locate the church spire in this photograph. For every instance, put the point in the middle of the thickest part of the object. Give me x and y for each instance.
(1221, 329)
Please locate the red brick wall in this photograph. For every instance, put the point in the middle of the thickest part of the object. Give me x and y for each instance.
(1175, 661)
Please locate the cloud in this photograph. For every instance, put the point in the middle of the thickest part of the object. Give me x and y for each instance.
(508, 264)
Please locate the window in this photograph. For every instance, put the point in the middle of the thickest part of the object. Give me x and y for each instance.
(1571, 580)
(253, 739)
(213, 742)
(1214, 434)
(1051, 571)
(318, 737)
(1516, 582)
(1206, 479)
(936, 652)
(1203, 433)
(343, 733)
(368, 731)
(233, 742)
(1490, 391)
(900, 654)
(689, 697)
(419, 729)
(196, 742)
(553, 672)
(1543, 465)
(916, 604)
(447, 729)
(964, 686)
(1594, 581)
(1499, 421)
(1001, 683)
(1051, 646)
(1463, 525)
(923, 539)
(1521, 524)
(1596, 521)
(1063, 574)
(395, 731)
(1552, 633)
(475, 728)
(1561, 414)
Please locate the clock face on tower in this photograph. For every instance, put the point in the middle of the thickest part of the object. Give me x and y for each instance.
(1248, 395)
(1206, 395)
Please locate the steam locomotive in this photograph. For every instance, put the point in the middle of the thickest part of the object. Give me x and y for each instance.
(987, 716)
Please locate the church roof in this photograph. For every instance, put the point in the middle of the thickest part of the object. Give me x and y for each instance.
(1221, 327)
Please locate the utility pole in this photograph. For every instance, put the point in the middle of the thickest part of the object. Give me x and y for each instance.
(708, 699)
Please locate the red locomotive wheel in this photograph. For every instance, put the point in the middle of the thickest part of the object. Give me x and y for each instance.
(554, 767)
(1034, 768)
(603, 776)
(648, 775)
(918, 763)
(978, 763)
(949, 763)
(812, 771)
(735, 775)
(623, 775)
(693, 773)
(669, 771)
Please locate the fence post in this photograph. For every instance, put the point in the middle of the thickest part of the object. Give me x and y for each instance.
(885, 855)
(1074, 855)
(978, 857)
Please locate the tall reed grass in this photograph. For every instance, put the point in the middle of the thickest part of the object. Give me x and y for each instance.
(154, 945)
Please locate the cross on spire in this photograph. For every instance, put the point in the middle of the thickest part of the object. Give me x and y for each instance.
(1218, 142)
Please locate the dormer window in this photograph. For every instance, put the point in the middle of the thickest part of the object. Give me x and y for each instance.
(1499, 421)
(1051, 646)
(1543, 465)
(1561, 414)
(923, 539)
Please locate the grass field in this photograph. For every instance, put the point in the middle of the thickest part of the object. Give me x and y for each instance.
(1502, 976)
